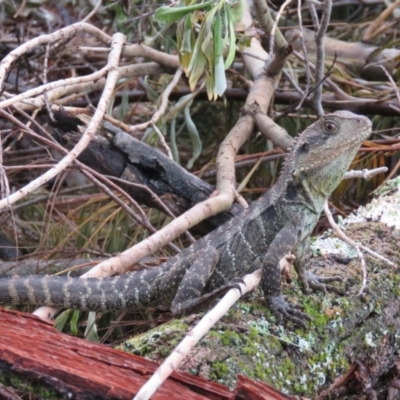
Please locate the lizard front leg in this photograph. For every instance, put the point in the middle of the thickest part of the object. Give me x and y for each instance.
(302, 253)
(189, 298)
(283, 243)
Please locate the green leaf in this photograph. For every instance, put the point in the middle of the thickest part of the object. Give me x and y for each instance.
(210, 86)
(124, 106)
(187, 36)
(232, 41)
(197, 65)
(206, 37)
(74, 322)
(217, 35)
(172, 139)
(151, 94)
(184, 58)
(219, 77)
(91, 328)
(62, 319)
(238, 11)
(194, 136)
(170, 14)
(218, 60)
(179, 106)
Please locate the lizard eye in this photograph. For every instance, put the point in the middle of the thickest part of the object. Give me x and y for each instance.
(330, 126)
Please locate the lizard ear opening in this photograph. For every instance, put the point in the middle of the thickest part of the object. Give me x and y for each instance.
(304, 148)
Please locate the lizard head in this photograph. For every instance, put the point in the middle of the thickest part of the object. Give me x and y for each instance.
(325, 150)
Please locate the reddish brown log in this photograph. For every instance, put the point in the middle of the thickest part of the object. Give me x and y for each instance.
(246, 389)
(86, 370)
(33, 347)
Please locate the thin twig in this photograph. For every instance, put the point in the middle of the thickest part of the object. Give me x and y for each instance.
(94, 11)
(164, 144)
(272, 35)
(92, 175)
(45, 66)
(241, 200)
(338, 92)
(320, 53)
(314, 15)
(393, 83)
(155, 198)
(351, 242)
(294, 83)
(20, 9)
(49, 196)
(96, 178)
(365, 173)
(377, 26)
(305, 55)
(54, 85)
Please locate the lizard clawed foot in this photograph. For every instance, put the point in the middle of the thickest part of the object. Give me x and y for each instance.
(317, 282)
(234, 284)
(282, 309)
(200, 303)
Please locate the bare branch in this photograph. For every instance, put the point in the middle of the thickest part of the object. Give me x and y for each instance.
(351, 242)
(273, 131)
(271, 50)
(164, 144)
(320, 63)
(86, 86)
(305, 54)
(54, 85)
(365, 173)
(141, 50)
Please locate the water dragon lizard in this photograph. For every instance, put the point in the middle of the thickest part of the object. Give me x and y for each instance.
(278, 223)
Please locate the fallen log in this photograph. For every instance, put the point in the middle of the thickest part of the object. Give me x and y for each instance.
(30, 348)
(81, 369)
